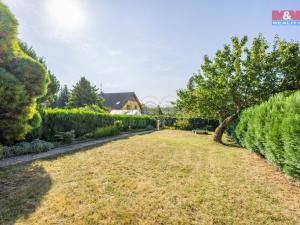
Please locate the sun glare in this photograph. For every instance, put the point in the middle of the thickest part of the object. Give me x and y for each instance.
(68, 15)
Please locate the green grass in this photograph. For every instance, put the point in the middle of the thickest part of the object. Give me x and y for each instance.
(167, 177)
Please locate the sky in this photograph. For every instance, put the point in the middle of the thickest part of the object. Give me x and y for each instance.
(150, 47)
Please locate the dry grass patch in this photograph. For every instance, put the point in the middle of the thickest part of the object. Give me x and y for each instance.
(167, 177)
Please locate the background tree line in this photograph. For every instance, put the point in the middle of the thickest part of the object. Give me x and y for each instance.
(83, 94)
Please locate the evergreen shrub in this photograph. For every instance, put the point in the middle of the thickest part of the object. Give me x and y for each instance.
(272, 130)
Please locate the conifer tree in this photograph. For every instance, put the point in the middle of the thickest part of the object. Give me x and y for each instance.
(83, 94)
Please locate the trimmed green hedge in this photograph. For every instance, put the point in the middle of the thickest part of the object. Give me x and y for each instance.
(188, 123)
(106, 131)
(272, 130)
(84, 121)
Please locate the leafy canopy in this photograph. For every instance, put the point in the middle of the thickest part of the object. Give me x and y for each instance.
(53, 86)
(240, 76)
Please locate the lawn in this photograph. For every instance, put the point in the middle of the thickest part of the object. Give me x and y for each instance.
(166, 177)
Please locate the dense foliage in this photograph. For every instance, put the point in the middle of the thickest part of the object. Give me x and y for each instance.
(183, 124)
(106, 131)
(272, 129)
(239, 77)
(83, 93)
(23, 80)
(22, 148)
(53, 86)
(94, 108)
(52, 91)
(159, 110)
(84, 121)
(187, 123)
(65, 137)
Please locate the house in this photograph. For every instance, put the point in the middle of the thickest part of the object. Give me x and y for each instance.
(122, 103)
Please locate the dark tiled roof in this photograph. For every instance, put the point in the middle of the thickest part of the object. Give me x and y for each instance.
(117, 100)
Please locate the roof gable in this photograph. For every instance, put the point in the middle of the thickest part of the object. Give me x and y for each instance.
(117, 100)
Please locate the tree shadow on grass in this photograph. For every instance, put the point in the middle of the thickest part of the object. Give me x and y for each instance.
(23, 187)
(21, 191)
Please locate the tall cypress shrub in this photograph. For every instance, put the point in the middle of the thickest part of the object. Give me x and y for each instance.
(22, 80)
(242, 127)
(291, 139)
(272, 129)
(259, 128)
(273, 133)
(291, 136)
(249, 135)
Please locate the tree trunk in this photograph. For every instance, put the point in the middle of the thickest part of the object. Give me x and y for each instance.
(221, 128)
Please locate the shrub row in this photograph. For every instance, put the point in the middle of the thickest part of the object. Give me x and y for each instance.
(22, 148)
(272, 130)
(84, 122)
(189, 123)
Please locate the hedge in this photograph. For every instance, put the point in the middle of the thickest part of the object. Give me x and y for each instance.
(106, 131)
(189, 123)
(272, 130)
(84, 121)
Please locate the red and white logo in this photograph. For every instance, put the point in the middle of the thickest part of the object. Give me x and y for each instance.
(286, 15)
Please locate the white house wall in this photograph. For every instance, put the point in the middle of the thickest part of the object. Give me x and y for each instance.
(125, 112)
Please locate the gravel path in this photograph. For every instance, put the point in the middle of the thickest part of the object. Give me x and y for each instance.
(64, 149)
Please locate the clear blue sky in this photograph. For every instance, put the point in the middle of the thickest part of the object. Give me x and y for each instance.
(151, 47)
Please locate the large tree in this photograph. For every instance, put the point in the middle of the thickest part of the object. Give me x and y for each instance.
(83, 94)
(23, 80)
(239, 77)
